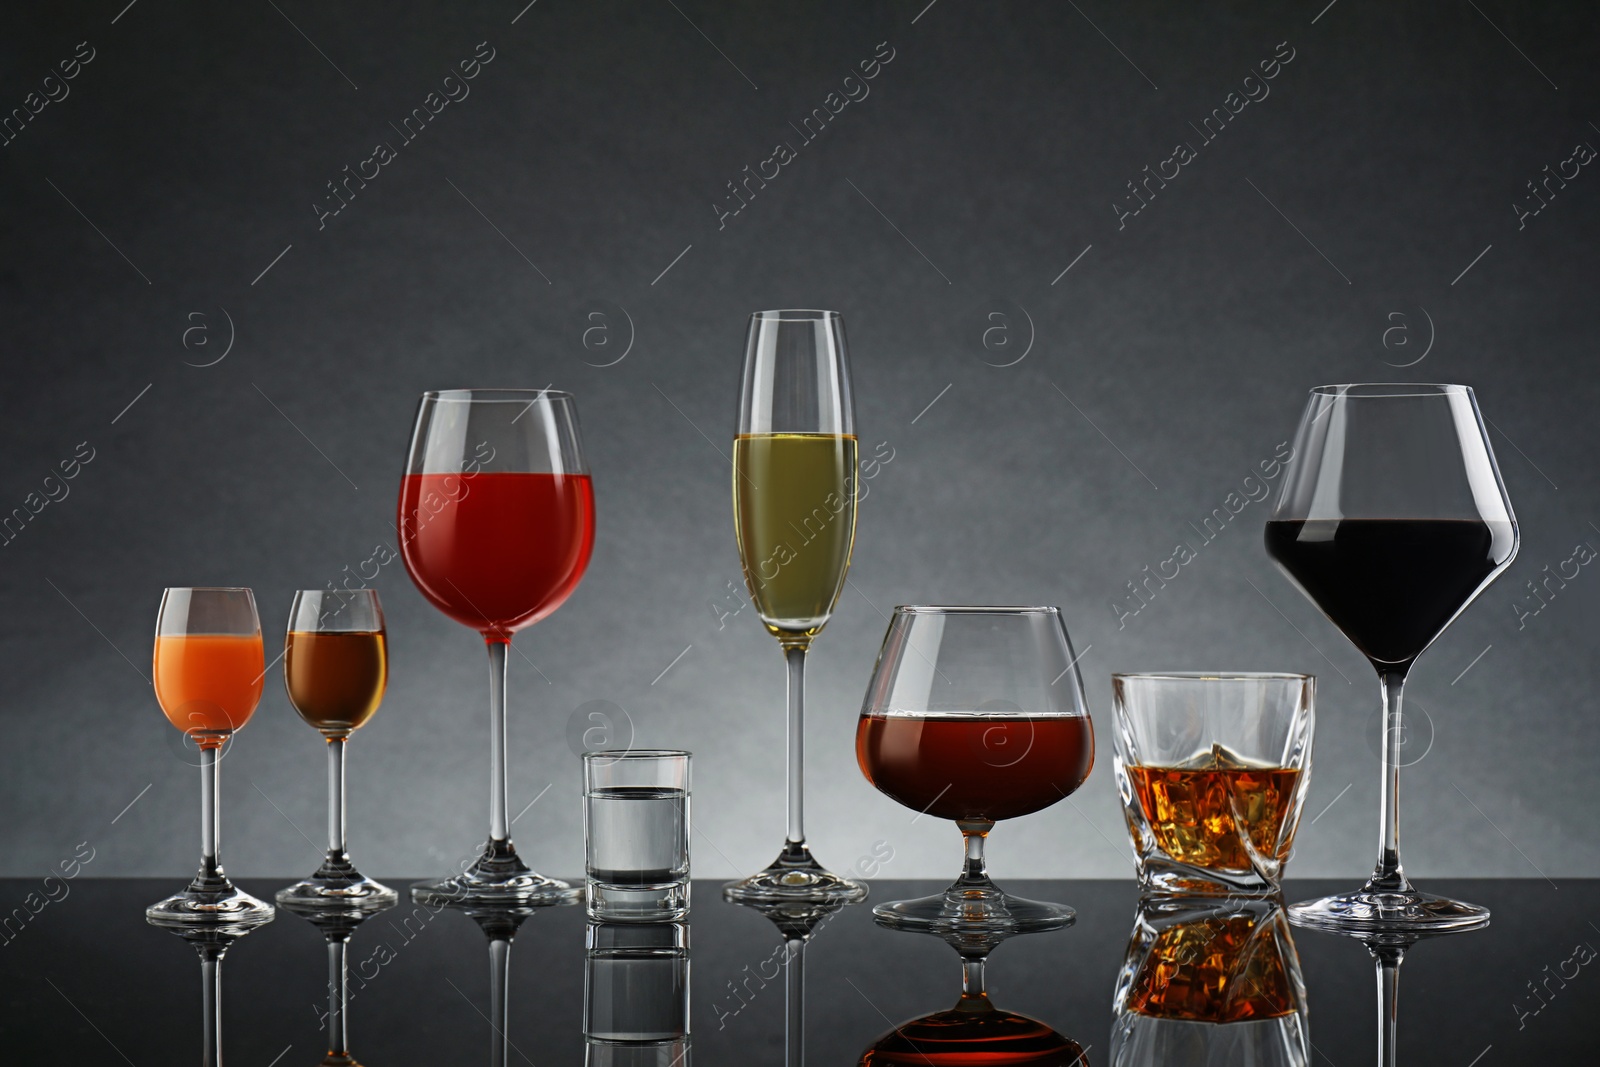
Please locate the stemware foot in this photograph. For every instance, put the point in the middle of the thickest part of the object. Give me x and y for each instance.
(986, 909)
(210, 902)
(1406, 910)
(338, 886)
(498, 878)
(794, 877)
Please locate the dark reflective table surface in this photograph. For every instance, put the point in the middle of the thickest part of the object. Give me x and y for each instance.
(85, 980)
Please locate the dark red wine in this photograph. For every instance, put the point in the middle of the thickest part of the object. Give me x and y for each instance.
(973, 1034)
(975, 766)
(496, 551)
(1391, 585)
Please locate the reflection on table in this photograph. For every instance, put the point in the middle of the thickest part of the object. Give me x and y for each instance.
(1209, 983)
(974, 1032)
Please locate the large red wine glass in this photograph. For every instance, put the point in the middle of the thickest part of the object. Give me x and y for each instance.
(975, 714)
(496, 528)
(1392, 518)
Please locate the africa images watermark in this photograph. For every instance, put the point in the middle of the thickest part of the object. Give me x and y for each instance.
(455, 89)
(55, 489)
(811, 127)
(1142, 590)
(52, 90)
(1255, 90)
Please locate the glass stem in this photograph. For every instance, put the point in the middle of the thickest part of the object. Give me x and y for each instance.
(499, 998)
(795, 656)
(1388, 1006)
(210, 816)
(499, 828)
(973, 871)
(338, 994)
(211, 1006)
(972, 979)
(1387, 876)
(794, 991)
(336, 838)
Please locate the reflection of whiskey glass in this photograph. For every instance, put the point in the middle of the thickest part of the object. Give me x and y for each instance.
(1213, 770)
(1211, 983)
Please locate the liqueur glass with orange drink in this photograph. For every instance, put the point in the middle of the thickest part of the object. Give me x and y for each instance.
(208, 671)
(335, 667)
(1212, 770)
(975, 714)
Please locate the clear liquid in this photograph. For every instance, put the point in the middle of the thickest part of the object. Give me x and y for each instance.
(637, 835)
(637, 997)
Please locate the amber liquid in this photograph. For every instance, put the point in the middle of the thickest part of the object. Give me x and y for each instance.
(1222, 970)
(209, 684)
(1191, 809)
(973, 1034)
(974, 767)
(336, 680)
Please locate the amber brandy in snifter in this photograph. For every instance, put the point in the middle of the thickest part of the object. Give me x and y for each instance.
(335, 669)
(975, 714)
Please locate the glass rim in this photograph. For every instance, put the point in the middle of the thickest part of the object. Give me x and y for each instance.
(795, 315)
(208, 589)
(614, 754)
(1412, 389)
(976, 609)
(509, 396)
(1212, 676)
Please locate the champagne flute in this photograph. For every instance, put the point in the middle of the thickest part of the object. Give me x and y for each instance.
(975, 714)
(335, 668)
(1392, 519)
(208, 671)
(794, 516)
(496, 529)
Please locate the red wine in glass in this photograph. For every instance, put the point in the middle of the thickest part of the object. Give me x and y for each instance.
(503, 549)
(496, 523)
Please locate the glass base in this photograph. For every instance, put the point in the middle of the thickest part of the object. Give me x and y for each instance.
(668, 902)
(338, 886)
(1369, 911)
(794, 878)
(210, 902)
(985, 909)
(498, 878)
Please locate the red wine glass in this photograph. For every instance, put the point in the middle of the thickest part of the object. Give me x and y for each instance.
(1392, 519)
(496, 528)
(975, 714)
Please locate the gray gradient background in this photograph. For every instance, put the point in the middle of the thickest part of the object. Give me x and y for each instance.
(596, 142)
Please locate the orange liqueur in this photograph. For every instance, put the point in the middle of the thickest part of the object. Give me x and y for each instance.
(336, 679)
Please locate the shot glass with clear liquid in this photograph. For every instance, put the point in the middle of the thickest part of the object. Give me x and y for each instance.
(636, 834)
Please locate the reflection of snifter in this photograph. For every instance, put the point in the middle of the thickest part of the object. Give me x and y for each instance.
(974, 1032)
(1210, 983)
(636, 995)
